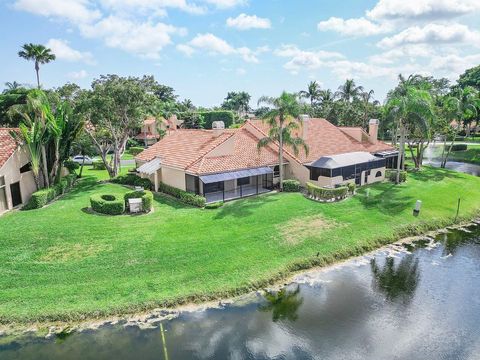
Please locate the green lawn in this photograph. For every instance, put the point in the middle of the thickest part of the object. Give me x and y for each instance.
(63, 263)
(471, 155)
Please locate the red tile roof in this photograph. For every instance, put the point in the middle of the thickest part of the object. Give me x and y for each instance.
(324, 138)
(8, 145)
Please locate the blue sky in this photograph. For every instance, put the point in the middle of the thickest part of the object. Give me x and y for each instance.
(205, 48)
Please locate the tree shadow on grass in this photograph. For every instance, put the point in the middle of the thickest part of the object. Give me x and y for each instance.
(430, 173)
(387, 198)
(245, 207)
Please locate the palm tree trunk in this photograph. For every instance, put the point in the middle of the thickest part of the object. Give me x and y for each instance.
(45, 170)
(280, 155)
(37, 69)
(401, 152)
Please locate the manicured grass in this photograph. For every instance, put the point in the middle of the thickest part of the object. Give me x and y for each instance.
(471, 155)
(64, 263)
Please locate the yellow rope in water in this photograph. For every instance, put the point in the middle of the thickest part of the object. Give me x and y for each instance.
(165, 353)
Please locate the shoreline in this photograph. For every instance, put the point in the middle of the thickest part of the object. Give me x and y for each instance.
(152, 318)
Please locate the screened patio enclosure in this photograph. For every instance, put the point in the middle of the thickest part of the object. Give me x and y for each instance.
(231, 185)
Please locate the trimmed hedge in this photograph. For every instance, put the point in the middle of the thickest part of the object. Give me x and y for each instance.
(457, 147)
(214, 205)
(291, 185)
(42, 197)
(392, 175)
(71, 165)
(135, 150)
(228, 117)
(133, 180)
(99, 165)
(351, 187)
(321, 193)
(107, 204)
(186, 197)
(146, 196)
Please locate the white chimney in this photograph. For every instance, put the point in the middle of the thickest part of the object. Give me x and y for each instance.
(373, 130)
(218, 127)
(304, 118)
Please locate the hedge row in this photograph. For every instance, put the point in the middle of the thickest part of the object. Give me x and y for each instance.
(228, 117)
(107, 204)
(146, 196)
(214, 205)
(392, 175)
(186, 197)
(291, 185)
(457, 147)
(135, 150)
(133, 180)
(98, 165)
(320, 193)
(42, 197)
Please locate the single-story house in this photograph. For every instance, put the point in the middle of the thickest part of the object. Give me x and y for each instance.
(224, 164)
(16, 178)
(149, 133)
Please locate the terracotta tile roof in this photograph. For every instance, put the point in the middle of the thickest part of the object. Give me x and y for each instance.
(182, 148)
(8, 145)
(324, 138)
(245, 155)
(143, 136)
(149, 121)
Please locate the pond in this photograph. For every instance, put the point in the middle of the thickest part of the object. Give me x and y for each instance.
(432, 157)
(411, 301)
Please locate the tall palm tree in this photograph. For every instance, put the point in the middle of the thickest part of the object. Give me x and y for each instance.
(243, 101)
(408, 105)
(312, 92)
(348, 91)
(282, 119)
(38, 53)
(366, 97)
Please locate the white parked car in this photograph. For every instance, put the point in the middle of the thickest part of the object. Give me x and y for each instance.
(80, 160)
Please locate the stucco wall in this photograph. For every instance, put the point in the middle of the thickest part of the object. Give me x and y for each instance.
(372, 179)
(11, 171)
(173, 177)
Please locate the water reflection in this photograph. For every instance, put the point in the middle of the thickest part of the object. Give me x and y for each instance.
(396, 282)
(283, 304)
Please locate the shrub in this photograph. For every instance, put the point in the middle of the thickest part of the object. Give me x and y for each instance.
(351, 187)
(71, 166)
(228, 117)
(99, 165)
(392, 175)
(186, 197)
(214, 205)
(128, 179)
(40, 198)
(135, 150)
(321, 193)
(143, 182)
(107, 204)
(457, 147)
(291, 185)
(146, 196)
(71, 178)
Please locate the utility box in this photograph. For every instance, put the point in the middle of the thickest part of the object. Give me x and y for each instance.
(135, 205)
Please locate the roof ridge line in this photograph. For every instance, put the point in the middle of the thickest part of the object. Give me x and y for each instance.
(210, 150)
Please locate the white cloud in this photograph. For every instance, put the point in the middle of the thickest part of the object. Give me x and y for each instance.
(156, 7)
(246, 22)
(422, 9)
(63, 51)
(185, 49)
(76, 11)
(301, 59)
(241, 71)
(353, 27)
(402, 53)
(432, 34)
(215, 45)
(141, 38)
(224, 4)
(78, 74)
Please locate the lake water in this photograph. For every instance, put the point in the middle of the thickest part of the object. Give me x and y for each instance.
(422, 302)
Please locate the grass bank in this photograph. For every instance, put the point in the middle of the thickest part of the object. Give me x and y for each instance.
(63, 263)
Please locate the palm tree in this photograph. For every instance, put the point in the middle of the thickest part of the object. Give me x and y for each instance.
(243, 101)
(33, 131)
(366, 97)
(348, 91)
(312, 92)
(39, 53)
(12, 86)
(283, 119)
(408, 105)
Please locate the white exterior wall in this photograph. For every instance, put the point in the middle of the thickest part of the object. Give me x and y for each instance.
(173, 177)
(11, 171)
(372, 179)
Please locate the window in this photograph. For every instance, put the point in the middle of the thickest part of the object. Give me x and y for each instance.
(276, 171)
(213, 187)
(243, 181)
(315, 173)
(26, 168)
(3, 195)
(378, 174)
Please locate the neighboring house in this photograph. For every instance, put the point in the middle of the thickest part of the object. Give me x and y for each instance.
(16, 178)
(149, 133)
(223, 164)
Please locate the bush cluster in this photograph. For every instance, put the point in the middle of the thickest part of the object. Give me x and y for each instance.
(291, 185)
(71, 165)
(98, 165)
(107, 204)
(351, 187)
(321, 193)
(133, 180)
(391, 175)
(42, 197)
(186, 197)
(214, 205)
(457, 147)
(135, 150)
(228, 117)
(146, 196)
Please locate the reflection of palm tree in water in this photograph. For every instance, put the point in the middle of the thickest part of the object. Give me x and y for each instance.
(396, 282)
(284, 304)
